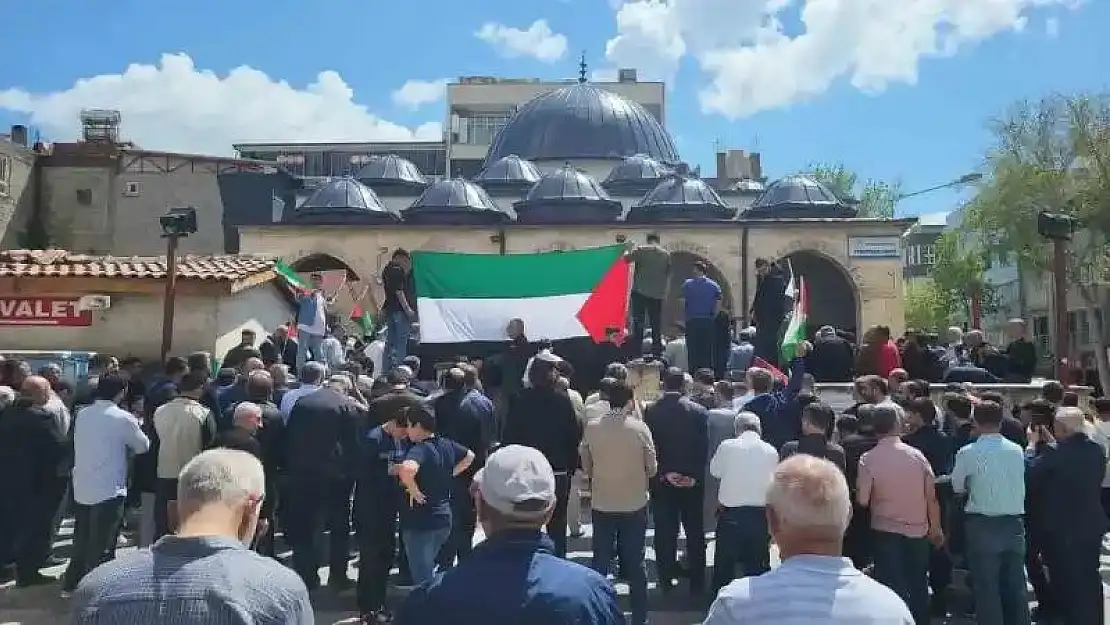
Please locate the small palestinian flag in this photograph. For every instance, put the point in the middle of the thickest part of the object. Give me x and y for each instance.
(558, 295)
(291, 276)
(796, 330)
(363, 319)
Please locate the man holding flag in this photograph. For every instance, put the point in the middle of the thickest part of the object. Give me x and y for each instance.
(312, 322)
(768, 308)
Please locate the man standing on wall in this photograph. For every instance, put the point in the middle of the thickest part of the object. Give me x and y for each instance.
(311, 321)
(649, 289)
(768, 308)
(701, 301)
(400, 307)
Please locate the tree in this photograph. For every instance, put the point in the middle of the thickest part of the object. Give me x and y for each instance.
(926, 306)
(876, 198)
(958, 274)
(1052, 156)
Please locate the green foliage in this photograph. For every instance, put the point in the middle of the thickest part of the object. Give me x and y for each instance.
(1052, 156)
(927, 308)
(958, 274)
(876, 198)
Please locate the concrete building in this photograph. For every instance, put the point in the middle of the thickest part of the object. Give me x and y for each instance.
(17, 188)
(919, 246)
(218, 297)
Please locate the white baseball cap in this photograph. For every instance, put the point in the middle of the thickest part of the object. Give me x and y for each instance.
(515, 475)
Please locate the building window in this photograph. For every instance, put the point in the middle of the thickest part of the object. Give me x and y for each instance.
(5, 174)
(132, 189)
(1041, 335)
(84, 197)
(928, 254)
(481, 129)
(1079, 329)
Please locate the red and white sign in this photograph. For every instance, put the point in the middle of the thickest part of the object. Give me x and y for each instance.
(42, 311)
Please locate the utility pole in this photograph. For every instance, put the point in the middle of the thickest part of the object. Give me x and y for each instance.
(1059, 228)
(176, 224)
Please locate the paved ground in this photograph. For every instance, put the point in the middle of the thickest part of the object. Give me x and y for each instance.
(44, 605)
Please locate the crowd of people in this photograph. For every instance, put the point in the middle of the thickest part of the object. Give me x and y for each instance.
(304, 440)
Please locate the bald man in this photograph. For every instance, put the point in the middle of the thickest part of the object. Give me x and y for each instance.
(32, 451)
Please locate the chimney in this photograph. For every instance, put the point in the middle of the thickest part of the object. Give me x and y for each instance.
(19, 134)
(723, 179)
(757, 166)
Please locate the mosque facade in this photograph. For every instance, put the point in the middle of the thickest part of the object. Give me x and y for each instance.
(580, 167)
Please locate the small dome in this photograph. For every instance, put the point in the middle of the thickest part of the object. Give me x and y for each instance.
(636, 170)
(582, 122)
(681, 197)
(510, 170)
(567, 195)
(448, 200)
(391, 170)
(344, 200)
(799, 196)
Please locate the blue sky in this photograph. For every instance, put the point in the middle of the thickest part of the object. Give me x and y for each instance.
(895, 90)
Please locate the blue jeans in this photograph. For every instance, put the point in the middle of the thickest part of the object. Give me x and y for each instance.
(306, 341)
(742, 539)
(627, 532)
(398, 328)
(902, 565)
(996, 561)
(421, 548)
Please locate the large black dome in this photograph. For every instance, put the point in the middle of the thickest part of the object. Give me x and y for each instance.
(681, 197)
(391, 171)
(582, 121)
(799, 196)
(567, 195)
(344, 200)
(456, 201)
(509, 171)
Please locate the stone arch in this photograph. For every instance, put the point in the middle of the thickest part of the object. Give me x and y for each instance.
(682, 268)
(319, 262)
(833, 290)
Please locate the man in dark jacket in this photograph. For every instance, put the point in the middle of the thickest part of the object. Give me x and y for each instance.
(543, 417)
(832, 358)
(857, 540)
(1068, 480)
(774, 407)
(237, 355)
(230, 395)
(321, 455)
(461, 418)
(32, 451)
(680, 429)
(768, 308)
(279, 348)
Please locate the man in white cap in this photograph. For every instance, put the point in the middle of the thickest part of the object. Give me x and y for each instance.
(515, 495)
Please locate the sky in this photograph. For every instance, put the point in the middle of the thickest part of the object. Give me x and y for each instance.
(896, 90)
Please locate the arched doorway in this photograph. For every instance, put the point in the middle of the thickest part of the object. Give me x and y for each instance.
(341, 285)
(682, 269)
(833, 299)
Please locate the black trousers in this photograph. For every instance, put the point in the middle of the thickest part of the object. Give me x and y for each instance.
(644, 308)
(672, 507)
(743, 542)
(858, 538)
(95, 532)
(1073, 571)
(701, 336)
(377, 550)
(316, 505)
(165, 491)
(557, 524)
(1035, 567)
(940, 564)
(34, 527)
(767, 340)
(464, 521)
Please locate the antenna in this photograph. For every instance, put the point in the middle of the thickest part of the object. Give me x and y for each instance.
(583, 69)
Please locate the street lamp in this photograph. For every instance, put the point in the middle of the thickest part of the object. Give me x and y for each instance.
(1058, 228)
(176, 223)
(958, 182)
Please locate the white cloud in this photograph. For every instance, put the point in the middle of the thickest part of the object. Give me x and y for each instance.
(176, 106)
(753, 63)
(538, 42)
(416, 93)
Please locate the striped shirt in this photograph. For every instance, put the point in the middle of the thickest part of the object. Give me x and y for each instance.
(809, 589)
(211, 580)
(991, 471)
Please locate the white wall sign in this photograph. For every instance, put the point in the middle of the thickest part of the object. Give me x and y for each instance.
(875, 247)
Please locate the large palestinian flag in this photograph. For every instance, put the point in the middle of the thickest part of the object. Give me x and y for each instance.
(559, 295)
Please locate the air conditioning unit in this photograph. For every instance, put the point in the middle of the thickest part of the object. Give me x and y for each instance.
(94, 302)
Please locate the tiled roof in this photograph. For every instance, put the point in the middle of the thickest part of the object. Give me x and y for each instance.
(60, 263)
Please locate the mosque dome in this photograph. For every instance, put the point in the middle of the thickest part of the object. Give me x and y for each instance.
(344, 200)
(567, 195)
(799, 196)
(391, 171)
(582, 121)
(681, 197)
(508, 171)
(638, 170)
(456, 201)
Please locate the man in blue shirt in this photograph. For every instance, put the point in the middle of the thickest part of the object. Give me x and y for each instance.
(514, 576)
(701, 299)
